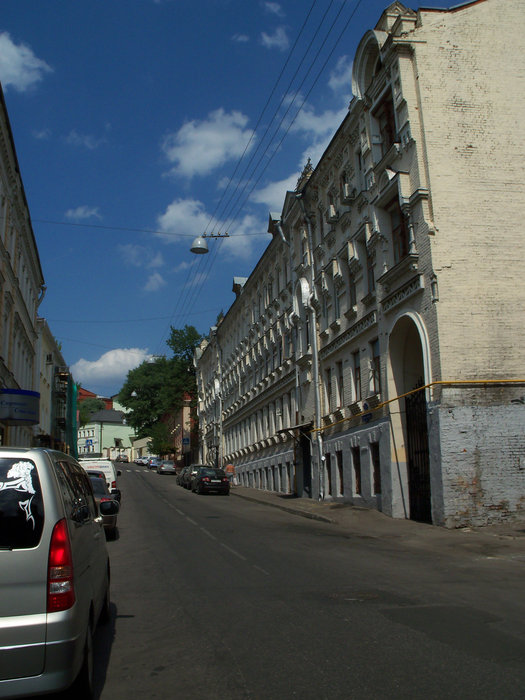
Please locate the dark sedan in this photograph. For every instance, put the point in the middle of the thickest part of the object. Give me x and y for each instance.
(188, 476)
(102, 495)
(210, 480)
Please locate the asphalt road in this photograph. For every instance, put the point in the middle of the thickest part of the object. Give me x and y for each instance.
(217, 597)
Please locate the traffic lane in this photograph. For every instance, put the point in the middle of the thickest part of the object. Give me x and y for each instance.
(424, 575)
(283, 617)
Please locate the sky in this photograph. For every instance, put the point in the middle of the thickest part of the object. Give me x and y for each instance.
(141, 124)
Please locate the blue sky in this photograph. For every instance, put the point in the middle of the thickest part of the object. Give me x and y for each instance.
(139, 124)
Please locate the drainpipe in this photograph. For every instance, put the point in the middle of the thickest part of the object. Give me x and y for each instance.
(294, 330)
(315, 350)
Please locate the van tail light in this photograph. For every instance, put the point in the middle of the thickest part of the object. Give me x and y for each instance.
(113, 484)
(60, 587)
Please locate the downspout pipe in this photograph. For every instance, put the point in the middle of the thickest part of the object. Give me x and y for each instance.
(294, 330)
(315, 349)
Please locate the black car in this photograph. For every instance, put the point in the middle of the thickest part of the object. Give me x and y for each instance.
(188, 475)
(210, 480)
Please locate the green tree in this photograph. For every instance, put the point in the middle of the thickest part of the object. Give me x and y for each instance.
(87, 408)
(160, 439)
(158, 387)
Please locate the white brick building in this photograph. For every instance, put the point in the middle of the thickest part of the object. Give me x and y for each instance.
(396, 264)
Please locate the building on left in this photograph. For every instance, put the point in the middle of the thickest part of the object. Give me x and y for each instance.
(37, 393)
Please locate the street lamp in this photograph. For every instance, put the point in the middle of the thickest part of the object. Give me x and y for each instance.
(200, 244)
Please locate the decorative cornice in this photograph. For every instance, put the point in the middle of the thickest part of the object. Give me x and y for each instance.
(360, 327)
(415, 285)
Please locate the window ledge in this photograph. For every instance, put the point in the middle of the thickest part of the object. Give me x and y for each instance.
(407, 264)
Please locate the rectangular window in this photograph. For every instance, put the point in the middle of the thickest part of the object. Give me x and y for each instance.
(386, 122)
(357, 376)
(352, 288)
(340, 478)
(375, 367)
(328, 389)
(399, 230)
(376, 467)
(370, 265)
(340, 385)
(356, 463)
(328, 473)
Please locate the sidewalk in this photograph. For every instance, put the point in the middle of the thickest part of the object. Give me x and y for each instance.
(498, 541)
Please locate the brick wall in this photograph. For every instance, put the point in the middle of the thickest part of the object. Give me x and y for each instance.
(482, 463)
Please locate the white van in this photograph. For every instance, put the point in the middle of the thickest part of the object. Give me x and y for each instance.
(107, 467)
(54, 573)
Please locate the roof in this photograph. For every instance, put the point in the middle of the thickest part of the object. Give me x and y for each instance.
(107, 416)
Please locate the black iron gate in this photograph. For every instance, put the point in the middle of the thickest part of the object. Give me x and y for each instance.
(418, 456)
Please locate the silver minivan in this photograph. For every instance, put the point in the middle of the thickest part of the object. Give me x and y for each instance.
(54, 573)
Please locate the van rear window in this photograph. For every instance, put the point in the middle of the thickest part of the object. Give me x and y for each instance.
(21, 504)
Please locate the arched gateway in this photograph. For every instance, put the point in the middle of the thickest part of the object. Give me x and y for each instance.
(408, 369)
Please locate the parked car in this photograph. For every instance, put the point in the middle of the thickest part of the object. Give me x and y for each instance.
(106, 466)
(166, 466)
(94, 472)
(210, 480)
(102, 495)
(142, 460)
(54, 573)
(188, 475)
(122, 458)
(180, 476)
(153, 462)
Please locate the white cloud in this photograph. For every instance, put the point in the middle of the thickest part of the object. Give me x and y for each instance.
(274, 8)
(277, 40)
(184, 216)
(84, 140)
(241, 38)
(199, 147)
(340, 80)
(19, 67)
(42, 134)
(111, 367)
(83, 212)
(274, 193)
(155, 282)
(140, 256)
(189, 216)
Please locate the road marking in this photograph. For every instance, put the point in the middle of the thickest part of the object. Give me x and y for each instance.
(207, 532)
(263, 571)
(232, 551)
(191, 521)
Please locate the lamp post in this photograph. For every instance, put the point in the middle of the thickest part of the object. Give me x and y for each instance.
(200, 244)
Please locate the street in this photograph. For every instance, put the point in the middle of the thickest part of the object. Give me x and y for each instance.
(219, 597)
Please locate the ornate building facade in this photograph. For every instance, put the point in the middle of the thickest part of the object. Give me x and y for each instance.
(21, 291)
(375, 354)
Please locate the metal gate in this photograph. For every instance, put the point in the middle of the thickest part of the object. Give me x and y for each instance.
(418, 456)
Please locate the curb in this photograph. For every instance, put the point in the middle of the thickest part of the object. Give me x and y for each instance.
(287, 509)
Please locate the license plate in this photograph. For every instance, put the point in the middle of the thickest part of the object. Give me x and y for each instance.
(215, 481)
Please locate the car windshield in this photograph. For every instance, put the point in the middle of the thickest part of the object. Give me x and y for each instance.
(168, 463)
(99, 486)
(21, 504)
(213, 473)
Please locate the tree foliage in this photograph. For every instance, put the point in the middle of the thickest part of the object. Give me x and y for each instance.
(87, 408)
(160, 386)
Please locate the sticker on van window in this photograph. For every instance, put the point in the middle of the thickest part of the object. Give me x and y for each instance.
(20, 475)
